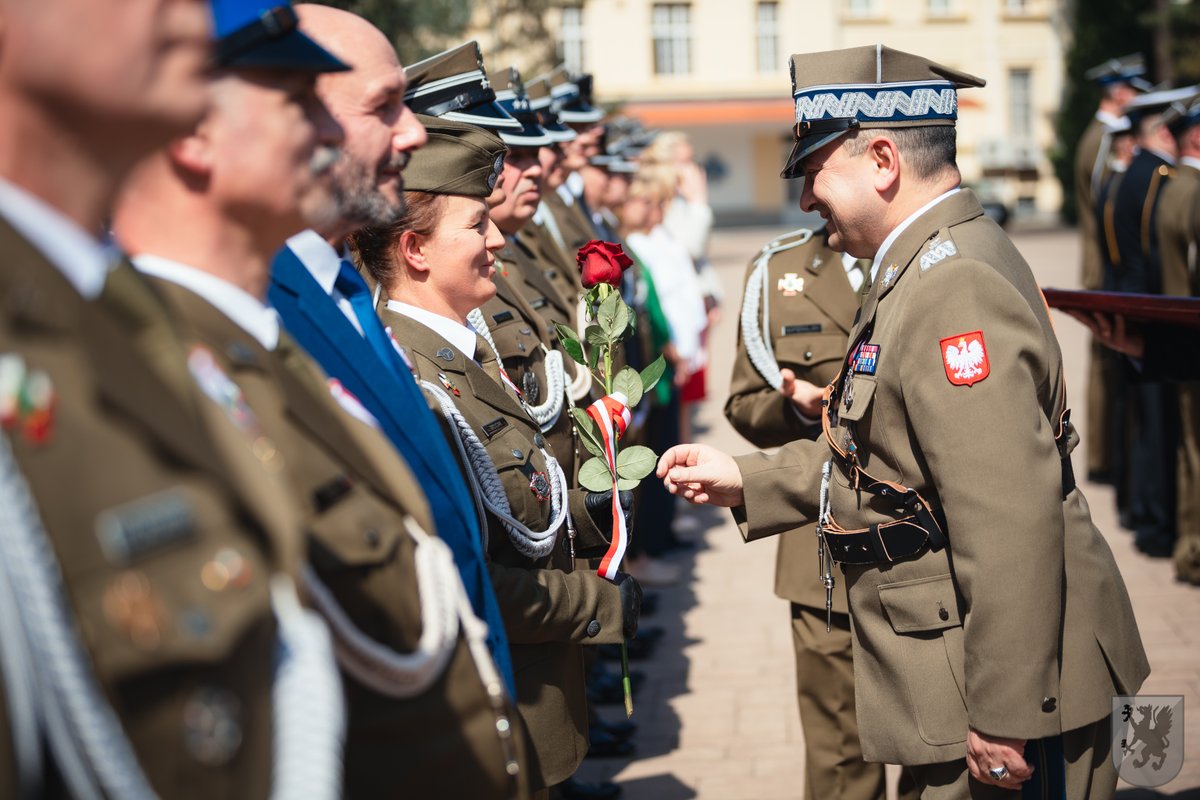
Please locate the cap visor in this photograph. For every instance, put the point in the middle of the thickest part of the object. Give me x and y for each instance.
(802, 149)
(580, 114)
(531, 135)
(486, 115)
(294, 52)
(559, 132)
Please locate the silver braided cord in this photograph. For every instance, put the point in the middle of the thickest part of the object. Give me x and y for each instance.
(88, 743)
(20, 689)
(756, 335)
(581, 386)
(379, 667)
(546, 414)
(308, 704)
(485, 483)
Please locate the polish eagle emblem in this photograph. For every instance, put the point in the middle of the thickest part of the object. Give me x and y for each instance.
(965, 357)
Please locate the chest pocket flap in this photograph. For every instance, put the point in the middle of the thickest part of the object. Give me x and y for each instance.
(855, 402)
(810, 349)
(359, 530)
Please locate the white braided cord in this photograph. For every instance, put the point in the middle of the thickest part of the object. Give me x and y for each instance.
(489, 490)
(379, 667)
(546, 414)
(756, 334)
(581, 386)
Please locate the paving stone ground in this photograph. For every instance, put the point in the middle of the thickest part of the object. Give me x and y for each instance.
(717, 714)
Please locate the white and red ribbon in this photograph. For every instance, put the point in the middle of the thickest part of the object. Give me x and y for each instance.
(612, 415)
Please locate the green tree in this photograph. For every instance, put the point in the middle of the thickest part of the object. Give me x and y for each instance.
(418, 28)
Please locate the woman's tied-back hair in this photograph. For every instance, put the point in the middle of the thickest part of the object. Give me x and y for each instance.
(376, 246)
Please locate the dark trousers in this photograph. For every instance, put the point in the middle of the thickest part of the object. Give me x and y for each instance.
(1153, 462)
(656, 506)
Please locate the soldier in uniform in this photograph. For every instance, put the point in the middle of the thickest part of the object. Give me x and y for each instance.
(991, 625)
(1179, 240)
(799, 304)
(1135, 211)
(1119, 81)
(150, 547)
(435, 265)
(427, 710)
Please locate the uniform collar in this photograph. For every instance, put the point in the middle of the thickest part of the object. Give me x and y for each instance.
(251, 314)
(1167, 157)
(318, 257)
(1190, 161)
(571, 188)
(899, 229)
(1110, 121)
(79, 256)
(454, 332)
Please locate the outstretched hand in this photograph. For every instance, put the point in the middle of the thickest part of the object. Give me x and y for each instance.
(702, 475)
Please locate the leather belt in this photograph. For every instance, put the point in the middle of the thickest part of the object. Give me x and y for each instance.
(887, 542)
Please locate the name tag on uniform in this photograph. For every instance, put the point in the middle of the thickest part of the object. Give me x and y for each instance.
(867, 359)
(495, 426)
(503, 316)
(792, 330)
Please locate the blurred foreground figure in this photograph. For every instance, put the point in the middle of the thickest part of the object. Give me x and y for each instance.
(151, 639)
(991, 626)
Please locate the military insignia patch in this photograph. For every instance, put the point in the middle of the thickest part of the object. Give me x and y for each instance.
(817, 262)
(890, 274)
(938, 252)
(965, 358)
(791, 284)
(27, 399)
(530, 388)
(1147, 738)
(867, 359)
(446, 354)
(221, 389)
(351, 404)
(539, 484)
(449, 387)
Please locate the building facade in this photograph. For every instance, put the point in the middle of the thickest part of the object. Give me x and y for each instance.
(718, 70)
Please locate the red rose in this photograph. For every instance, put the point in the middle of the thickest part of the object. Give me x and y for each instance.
(602, 262)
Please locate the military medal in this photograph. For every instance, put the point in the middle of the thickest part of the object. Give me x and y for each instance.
(219, 388)
(539, 484)
(530, 385)
(867, 359)
(889, 275)
(27, 399)
(450, 387)
(791, 284)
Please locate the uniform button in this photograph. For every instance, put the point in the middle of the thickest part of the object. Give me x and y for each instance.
(1049, 704)
(517, 454)
(593, 629)
(372, 537)
(943, 614)
(808, 354)
(539, 440)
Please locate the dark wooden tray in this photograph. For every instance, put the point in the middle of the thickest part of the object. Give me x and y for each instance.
(1137, 307)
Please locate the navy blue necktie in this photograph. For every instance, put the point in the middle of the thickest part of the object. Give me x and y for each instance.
(355, 289)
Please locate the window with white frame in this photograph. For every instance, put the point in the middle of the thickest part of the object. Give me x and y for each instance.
(860, 8)
(941, 8)
(570, 38)
(767, 35)
(672, 31)
(1016, 7)
(1020, 104)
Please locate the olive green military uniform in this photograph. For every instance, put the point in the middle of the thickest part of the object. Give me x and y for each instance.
(1021, 627)
(452, 739)
(549, 610)
(1091, 171)
(558, 265)
(573, 223)
(1178, 241)
(809, 307)
(145, 487)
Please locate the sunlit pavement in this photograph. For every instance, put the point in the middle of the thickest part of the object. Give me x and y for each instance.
(717, 713)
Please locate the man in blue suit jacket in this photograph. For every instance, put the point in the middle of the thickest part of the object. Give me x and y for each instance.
(326, 306)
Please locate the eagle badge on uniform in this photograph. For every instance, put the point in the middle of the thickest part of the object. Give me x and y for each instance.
(890, 274)
(791, 284)
(965, 358)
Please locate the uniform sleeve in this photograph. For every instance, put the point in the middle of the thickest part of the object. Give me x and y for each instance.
(990, 451)
(549, 605)
(782, 489)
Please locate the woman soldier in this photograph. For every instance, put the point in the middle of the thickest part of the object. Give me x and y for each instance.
(436, 265)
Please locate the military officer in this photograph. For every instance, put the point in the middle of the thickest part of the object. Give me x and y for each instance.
(1119, 81)
(435, 265)
(165, 594)
(1139, 269)
(799, 304)
(1179, 238)
(991, 626)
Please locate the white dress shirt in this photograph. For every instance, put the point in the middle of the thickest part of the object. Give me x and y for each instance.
(854, 273)
(324, 264)
(1190, 161)
(453, 331)
(78, 255)
(899, 229)
(249, 313)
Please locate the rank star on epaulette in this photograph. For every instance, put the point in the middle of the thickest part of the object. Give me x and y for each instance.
(791, 284)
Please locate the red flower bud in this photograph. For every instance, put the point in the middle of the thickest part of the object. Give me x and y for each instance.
(602, 262)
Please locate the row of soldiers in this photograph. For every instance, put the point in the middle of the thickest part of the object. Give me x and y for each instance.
(289, 476)
(1138, 189)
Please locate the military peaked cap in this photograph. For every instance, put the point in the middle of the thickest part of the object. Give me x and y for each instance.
(1152, 103)
(458, 158)
(547, 110)
(1182, 114)
(265, 35)
(511, 95)
(868, 87)
(574, 94)
(453, 85)
(1126, 69)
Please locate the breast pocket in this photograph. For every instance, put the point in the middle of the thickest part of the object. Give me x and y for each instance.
(813, 356)
(928, 653)
(523, 475)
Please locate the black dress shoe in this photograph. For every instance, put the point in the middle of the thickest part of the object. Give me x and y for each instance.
(1155, 546)
(575, 789)
(602, 745)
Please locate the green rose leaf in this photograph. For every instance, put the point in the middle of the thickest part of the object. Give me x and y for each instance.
(629, 383)
(588, 433)
(635, 463)
(571, 344)
(607, 315)
(596, 336)
(594, 475)
(652, 373)
(593, 358)
(626, 485)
